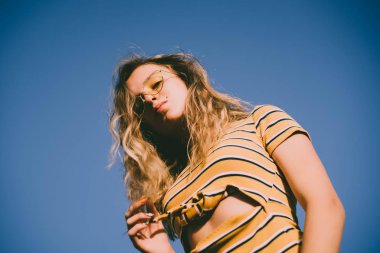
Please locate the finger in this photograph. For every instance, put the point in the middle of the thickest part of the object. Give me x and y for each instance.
(139, 218)
(159, 218)
(136, 228)
(135, 206)
(151, 207)
(140, 236)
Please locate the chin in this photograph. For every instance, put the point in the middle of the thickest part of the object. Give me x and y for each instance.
(173, 116)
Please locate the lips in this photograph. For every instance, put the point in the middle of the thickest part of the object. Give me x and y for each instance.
(158, 107)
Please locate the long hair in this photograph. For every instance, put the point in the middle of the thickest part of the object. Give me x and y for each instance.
(207, 113)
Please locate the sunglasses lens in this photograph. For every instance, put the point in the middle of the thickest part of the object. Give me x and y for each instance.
(154, 84)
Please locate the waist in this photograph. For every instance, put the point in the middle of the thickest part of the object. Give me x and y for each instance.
(235, 205)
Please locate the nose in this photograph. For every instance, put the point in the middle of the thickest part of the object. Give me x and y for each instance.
(150, 98)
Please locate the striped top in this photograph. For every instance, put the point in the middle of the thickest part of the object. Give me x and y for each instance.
(239, 161)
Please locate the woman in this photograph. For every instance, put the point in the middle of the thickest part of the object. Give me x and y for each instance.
(203, 167)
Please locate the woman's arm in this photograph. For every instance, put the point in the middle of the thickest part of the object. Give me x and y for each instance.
(312, 187)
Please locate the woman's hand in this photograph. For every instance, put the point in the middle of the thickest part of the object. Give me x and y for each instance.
(146, 236)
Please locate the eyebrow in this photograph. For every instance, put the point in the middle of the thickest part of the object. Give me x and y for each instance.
(150, 76)
(146, 79)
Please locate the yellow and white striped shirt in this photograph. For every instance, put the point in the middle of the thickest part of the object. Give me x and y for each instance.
(241, 162)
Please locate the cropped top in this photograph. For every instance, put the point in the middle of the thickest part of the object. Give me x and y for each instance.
(239, 161)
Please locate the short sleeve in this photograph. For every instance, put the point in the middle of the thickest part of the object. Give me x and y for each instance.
(274, 126)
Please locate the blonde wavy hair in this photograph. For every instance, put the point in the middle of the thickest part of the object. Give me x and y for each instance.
(148, 171)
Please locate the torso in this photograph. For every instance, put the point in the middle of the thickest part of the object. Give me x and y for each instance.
(241, 162)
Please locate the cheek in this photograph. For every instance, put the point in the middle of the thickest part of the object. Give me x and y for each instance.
(180, 97)
(177, 93)
(177, 98)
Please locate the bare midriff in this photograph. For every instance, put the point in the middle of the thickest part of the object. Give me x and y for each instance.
(230, 206)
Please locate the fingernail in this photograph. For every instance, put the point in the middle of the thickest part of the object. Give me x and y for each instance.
(149, 214)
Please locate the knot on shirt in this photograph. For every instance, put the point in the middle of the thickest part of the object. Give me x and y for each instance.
(198, 206)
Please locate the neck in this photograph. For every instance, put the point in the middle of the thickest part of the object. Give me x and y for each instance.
(176, 130)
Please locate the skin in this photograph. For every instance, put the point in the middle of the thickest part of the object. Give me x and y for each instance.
(150, 237)
(313, 189)
(296, 157)
(174, 92)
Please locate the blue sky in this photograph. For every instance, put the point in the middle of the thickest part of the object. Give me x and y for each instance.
(319, 61)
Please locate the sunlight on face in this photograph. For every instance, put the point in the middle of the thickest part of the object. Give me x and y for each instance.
(164, 94)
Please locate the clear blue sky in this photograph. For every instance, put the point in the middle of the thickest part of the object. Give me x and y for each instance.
(318, 60)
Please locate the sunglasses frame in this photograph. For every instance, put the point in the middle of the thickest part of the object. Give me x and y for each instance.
(141, 96)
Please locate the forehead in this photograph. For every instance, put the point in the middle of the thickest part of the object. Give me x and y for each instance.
(139, 75)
